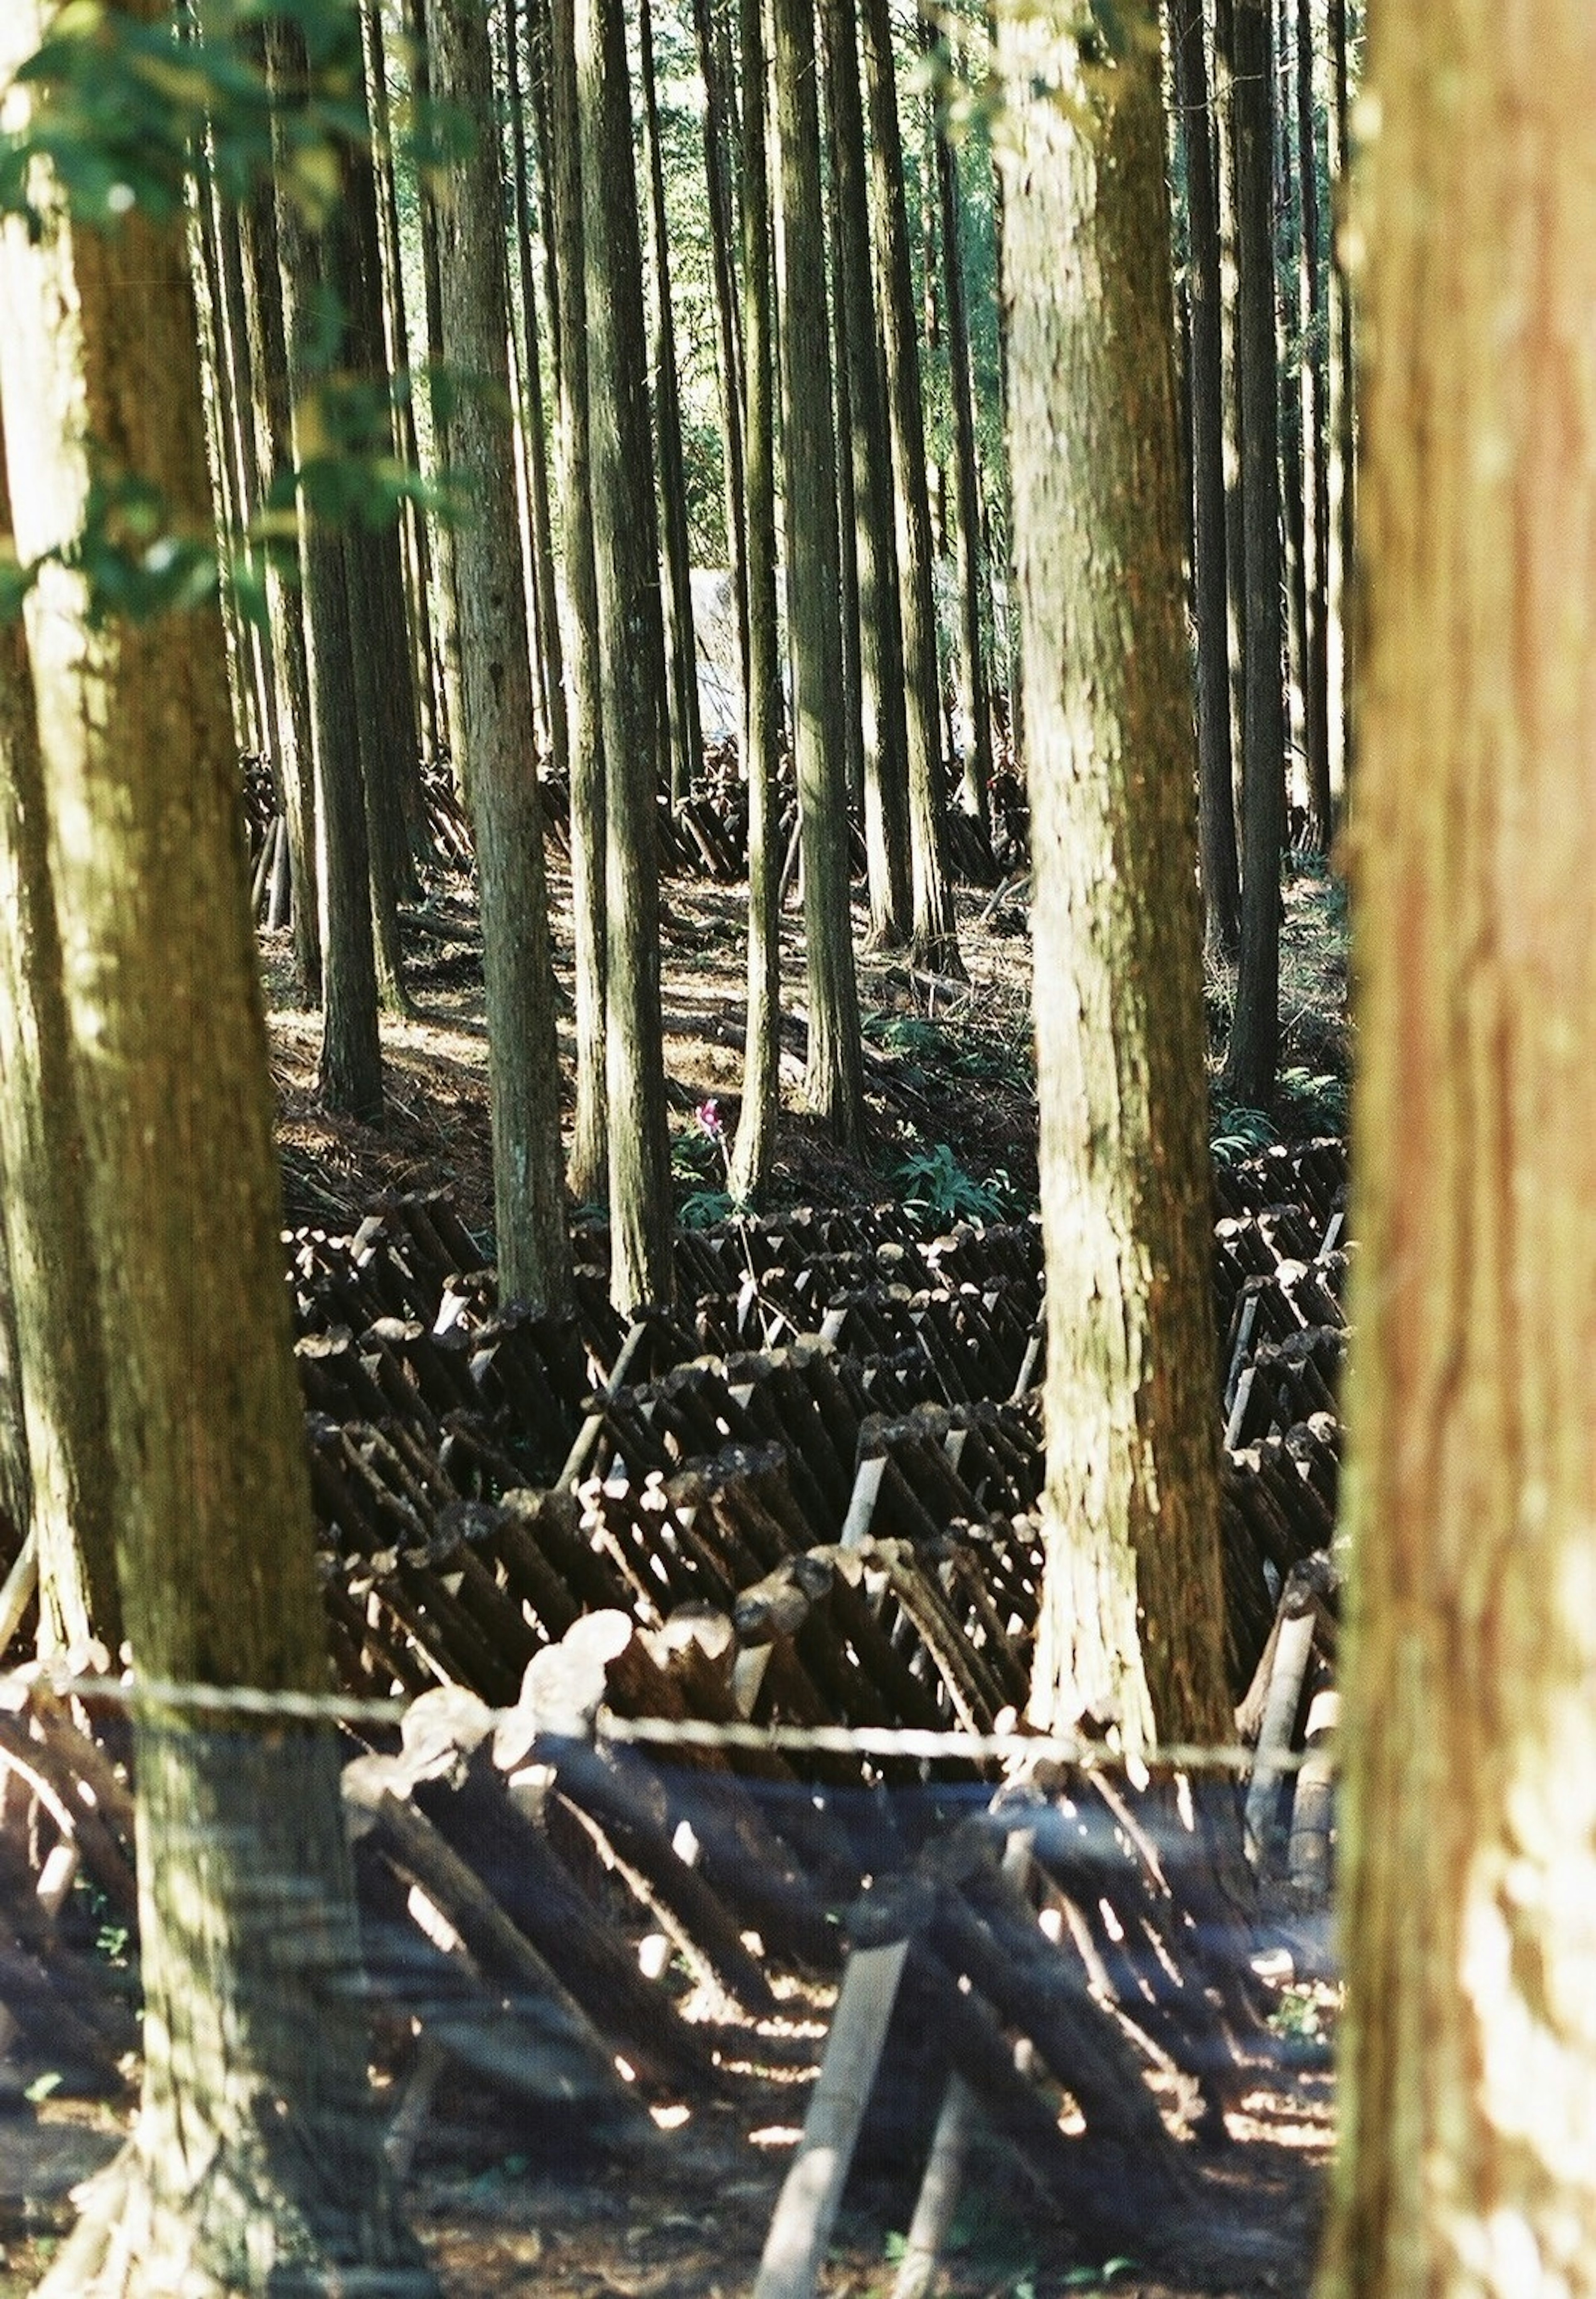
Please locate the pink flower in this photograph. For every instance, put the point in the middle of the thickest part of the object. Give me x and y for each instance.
(708, 1115)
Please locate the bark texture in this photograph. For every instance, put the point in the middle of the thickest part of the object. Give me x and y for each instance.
(1131, 1626)
(1468, 1829)
(833, 1082)
(496, 690)
(256, 2163)
(632, 662)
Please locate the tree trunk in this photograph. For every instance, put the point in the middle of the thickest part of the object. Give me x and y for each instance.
(762, 698)
(589, 1169)
(1235, 543)
(291, 680)
(970, 555)
(496, 689)
(1132, 1624)
(54, 1293)
(720, 177)
(835, 1077)
(1250, 1061)
(551, 653)
(257, 2154)
(681, 644)
(1310, 311)
(1341, 398)
(637, 738)
(1468, 1837)
(868, 452)
(934, 941)
(1216, 800)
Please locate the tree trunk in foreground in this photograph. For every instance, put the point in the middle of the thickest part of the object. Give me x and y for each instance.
(59, 1359)
(834, 1083)
(1132, 1621)
(257, 2164)
(496, 690)
(632, 659)
(1468, 1826)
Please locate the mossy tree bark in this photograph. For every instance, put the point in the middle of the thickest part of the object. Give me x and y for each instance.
(632, 663)
(60, 1365)
(762, 702)
(534, 1250)
(1132, 1621)
(1253, 1051)
(589, 1168)
(257, 2162)
(1467, 2055)
(833, 1082)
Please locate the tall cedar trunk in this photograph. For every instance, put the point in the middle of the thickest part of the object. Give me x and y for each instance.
(495, 676)
(762, 698)
(412, 526)
(273, 450)
(971, 559)
(847, 556)
(16, 1482)
(1230, 397)
(1340, 404)
(867, 453)
(1310, 313)
(681, 644)
(637, 743)
(221, 412)
(349, 1076)
(551, 651)
(58, 1359)
(1286, 208)
(933, 940)
(1216, 800)
(257, 2155)
(1250, 1061)
(1468, 1822)
(833, 1081)
(589, 1170)
(445, 621)
(390, 735)
(719, 178)
(1132, 1624)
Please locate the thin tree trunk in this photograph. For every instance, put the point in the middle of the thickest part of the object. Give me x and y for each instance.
(1340, 475)
(496, 691)
(835, 1077)
(867, 453)
(1314, 497)
(853, 771)
(1250, 1062)
(1132, 1626)
(1236, 538)
(1216, 800)
(551, 654)
(1467, 2057)
(762, 699)
(257, 2141)
(273, 451)
(719, 178)
(636, 735)
(681, 645)
(934, 941)
(589, 1167)
(970, 556)
(349, 1074)
(58, 1365)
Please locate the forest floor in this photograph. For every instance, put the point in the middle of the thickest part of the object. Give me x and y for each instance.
(952, 1124)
